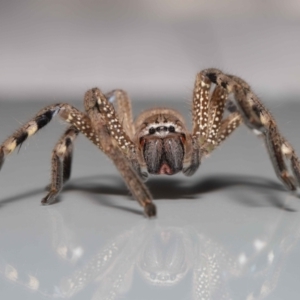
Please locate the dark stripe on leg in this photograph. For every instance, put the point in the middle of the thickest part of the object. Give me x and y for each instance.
(68, 142)
(1, 157)
(21, 138)
(64, 149)
(296, 167)
(67, 167)
(44, 119)
(212, 77)
(273, 142)
(57, 180)
(67, 162)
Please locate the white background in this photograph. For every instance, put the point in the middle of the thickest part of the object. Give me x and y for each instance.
(153, 49)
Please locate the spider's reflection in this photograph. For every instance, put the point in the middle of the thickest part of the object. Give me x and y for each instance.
(164, 256)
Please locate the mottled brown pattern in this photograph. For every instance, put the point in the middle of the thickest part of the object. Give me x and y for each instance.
(61, 163)
(158, 142)
(216, 110)
(124, 110)
(201, 106)
(255, 116)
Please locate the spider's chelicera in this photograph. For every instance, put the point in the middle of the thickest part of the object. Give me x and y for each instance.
(158, 142)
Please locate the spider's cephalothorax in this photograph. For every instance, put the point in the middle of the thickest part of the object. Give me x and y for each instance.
(158, 142)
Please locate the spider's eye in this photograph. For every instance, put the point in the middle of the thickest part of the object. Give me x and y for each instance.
(171, 129)
(161, 128)
(151, 130)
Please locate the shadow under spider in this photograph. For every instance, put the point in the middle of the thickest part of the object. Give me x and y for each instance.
(166, 188)
(172, 189)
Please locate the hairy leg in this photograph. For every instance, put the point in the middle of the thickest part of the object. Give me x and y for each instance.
(118, 145)
(30, 128)
(122, 102)
(62, 153)
(207, 113)
(43, 117)
(102, 112)
(134, 183)
(61, 163)
(227, 126)
(82, 123)
(259, 119)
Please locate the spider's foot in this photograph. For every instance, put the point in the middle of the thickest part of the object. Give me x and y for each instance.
(150, 210)
(190, 170)
(1, 157)
(296, 167)
(50, 198)
(144, 176)
(289, 181)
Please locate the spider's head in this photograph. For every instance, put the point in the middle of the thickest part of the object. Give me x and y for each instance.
(162, 142)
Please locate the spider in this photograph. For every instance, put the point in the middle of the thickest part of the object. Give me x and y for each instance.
(158, 141)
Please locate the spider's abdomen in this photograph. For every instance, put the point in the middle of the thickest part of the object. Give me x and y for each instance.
(163, 155)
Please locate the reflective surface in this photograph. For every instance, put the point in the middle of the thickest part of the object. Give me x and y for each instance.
(229, 232)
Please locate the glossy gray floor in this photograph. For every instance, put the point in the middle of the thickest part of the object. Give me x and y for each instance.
(229, 232)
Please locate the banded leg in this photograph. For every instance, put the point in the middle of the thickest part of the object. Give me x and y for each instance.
(30, 128)
(61, 163)
(85, 125)
(65, 111)
(62, 152)
(259, 119)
